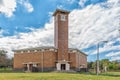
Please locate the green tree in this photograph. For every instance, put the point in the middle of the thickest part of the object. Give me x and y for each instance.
(105, 64)
(114, 65)
(90, 65)
(94, 66)
(3, 58)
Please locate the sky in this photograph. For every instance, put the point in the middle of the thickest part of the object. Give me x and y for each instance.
(29, 23)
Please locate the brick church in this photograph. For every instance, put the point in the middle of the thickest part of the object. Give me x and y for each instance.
(57, 58)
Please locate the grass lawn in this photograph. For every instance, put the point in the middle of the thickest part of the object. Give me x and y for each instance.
(59, 76)
(5, 70)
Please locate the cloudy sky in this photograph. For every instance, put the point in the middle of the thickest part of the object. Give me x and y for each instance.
(29, 23)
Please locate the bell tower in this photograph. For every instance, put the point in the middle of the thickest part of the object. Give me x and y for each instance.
(61, 33)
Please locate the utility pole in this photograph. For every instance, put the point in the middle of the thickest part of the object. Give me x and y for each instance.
(97, 68)
(119, 24)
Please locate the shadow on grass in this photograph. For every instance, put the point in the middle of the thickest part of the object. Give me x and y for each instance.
(112, 75)
(102, 74)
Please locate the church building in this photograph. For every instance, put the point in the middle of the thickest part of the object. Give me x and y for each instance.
(57, 58)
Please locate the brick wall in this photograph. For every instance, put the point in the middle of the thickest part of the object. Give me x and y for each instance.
(61, 35)
(72, 60)
(83, 60)
(77, 60)
(49, 58)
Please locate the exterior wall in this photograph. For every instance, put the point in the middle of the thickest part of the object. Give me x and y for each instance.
(47, 60)
(61, 36)
(78, 60)
(72, 60)
(44, 59)
(83, 60)
(20, 58)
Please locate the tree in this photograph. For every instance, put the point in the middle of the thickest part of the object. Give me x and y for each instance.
(94, 66)
(4, 60)
(114, 65)
(90, 65)
(105, 64)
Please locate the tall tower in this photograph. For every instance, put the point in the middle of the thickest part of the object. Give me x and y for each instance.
(61, 33)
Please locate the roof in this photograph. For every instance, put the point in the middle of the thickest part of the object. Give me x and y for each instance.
(59, 10)
(48, 47)
(78, 50)
(35, 48)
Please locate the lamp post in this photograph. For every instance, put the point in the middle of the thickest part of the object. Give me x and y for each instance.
(97, 69)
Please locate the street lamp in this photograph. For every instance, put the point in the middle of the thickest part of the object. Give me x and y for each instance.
(97, 71)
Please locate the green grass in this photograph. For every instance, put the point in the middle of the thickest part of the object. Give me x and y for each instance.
(59, 76)
(5, 70)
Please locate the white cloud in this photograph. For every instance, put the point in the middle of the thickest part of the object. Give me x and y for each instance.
(27, 5)
(60, 6)
(113, 54)
(108, 48)
(70, 1)
(92, 24)
(86, 28)
(82, 3)
(7, 7)
(115, 58)
(36, 38)
(29, 28)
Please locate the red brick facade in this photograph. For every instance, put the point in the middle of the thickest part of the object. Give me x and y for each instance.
(47, 59)
(59, 57)
(61, 34)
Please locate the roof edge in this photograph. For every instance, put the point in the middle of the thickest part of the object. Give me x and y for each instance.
(44, 47)
(78, 50)
(59, 10)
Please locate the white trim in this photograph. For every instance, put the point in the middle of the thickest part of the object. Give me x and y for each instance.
(35, 50)
(22, 52)
(42, 50)
(58, 66)
(28, 51)
(51, 49)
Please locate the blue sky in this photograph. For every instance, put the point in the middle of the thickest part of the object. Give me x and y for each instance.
(29, 23)
(37, 18)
